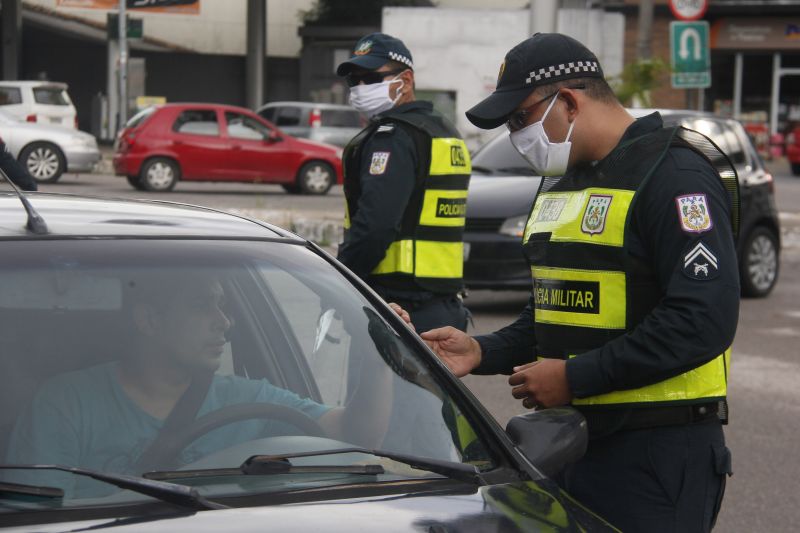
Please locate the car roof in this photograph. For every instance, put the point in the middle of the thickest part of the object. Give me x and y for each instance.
(309, 105)
(33, 83)
(202, 105)
(72, 216)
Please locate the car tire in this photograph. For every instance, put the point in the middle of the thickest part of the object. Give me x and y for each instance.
(759, 265)
(796, 169)
(291, 188)
(44, 161)
(135, 182)
(315, 177)
(159, 174)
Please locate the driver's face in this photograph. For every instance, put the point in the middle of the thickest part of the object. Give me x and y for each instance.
(194, 324)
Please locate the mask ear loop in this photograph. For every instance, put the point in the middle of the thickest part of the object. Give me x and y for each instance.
(547, 111)
(398, 94)
(569, 132)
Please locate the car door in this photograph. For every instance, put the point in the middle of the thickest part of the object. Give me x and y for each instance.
(260, 152)
(202, 152)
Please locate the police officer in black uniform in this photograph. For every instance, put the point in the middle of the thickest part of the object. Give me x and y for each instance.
(16, 172)
(635, 289)
(405, 183)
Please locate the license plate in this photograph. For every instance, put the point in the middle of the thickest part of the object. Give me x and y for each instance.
(55, 120)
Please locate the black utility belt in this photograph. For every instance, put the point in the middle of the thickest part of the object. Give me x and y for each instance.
(604, 422)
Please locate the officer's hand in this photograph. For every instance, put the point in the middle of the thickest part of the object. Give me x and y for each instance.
(402, 313)
(460, 352)
(541, 384)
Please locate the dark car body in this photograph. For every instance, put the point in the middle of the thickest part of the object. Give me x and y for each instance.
(211, 142)
(62, 310)
(503, 186)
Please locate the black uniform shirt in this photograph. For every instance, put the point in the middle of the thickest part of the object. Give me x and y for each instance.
(16, 172)
(695, 319)
(387, 171)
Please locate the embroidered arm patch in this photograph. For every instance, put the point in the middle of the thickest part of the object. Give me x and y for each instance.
(693, 212)
(699, 262)
(379, 162)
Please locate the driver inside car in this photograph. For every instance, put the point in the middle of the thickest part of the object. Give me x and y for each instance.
(106, 416)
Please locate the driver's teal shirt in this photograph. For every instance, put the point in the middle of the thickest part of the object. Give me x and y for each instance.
(84, 418)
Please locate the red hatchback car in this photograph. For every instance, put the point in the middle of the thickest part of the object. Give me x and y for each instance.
(164, 144)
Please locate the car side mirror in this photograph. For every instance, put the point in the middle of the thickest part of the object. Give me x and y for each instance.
(273, 137)
(550, 438)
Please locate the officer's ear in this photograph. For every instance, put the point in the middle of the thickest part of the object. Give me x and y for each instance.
(572, 100)
(408, 78)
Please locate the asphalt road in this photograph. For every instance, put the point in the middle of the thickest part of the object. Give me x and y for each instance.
(764, 393)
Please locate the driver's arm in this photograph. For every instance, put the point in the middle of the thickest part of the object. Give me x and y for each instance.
(365, 419)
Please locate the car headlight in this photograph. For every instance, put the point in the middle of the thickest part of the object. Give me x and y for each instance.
(84, 141)
(514, 226)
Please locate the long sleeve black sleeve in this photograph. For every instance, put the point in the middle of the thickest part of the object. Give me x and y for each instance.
(15, 171)
(513, 345)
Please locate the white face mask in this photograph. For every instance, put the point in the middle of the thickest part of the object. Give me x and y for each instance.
(374, 98)
(547, 158)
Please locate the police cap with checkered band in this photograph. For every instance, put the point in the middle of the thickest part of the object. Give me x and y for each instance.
(375, 50)
(539, 60)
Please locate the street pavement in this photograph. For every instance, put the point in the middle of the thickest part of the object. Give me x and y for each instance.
(764, 393)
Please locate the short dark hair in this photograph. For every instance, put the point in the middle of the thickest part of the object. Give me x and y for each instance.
(595, 88)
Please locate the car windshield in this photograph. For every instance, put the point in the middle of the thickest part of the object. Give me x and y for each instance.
(215, 351)
(140, 117)
(500, 156)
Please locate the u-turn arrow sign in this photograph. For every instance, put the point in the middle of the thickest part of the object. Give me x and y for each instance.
(691, 61)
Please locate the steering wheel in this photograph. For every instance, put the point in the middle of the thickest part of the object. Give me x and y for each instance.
(180, 439)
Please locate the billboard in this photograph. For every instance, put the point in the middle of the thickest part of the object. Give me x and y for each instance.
(184, 7)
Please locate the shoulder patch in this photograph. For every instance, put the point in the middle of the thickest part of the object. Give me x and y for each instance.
(379, 162)
(693, 212)
(699, 262)
(385, 128)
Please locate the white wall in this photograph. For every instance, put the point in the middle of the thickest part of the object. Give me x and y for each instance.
(461, 50)
(219, 28)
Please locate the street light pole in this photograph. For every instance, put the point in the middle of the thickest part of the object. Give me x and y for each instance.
(123, 66)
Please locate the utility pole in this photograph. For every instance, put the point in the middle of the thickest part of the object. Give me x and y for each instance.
(643, 45)
(256, 47)
(543, 16)
(123, 65)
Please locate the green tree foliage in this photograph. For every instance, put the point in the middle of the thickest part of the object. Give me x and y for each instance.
(354, 12)
(638, 79)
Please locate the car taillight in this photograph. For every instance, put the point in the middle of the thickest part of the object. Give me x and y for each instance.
(30, 118)
(76, 122)
(315, 118)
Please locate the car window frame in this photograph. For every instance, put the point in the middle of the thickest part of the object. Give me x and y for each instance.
(176, 131)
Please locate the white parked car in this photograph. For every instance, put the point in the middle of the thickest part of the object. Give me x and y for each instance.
(43, 102)
(47, 151)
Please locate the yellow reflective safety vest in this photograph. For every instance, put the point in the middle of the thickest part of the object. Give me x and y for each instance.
(428, 252)
(586, 289)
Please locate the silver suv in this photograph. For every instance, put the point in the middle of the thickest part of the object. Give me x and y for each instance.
(329, 123)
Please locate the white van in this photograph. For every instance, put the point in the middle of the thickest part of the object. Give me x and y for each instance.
(44, 102)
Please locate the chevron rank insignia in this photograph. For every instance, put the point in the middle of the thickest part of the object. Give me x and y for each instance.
(699, 262)
(385, 128)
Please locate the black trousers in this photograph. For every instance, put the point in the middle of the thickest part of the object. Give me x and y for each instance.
(664, 479)
(436, 313)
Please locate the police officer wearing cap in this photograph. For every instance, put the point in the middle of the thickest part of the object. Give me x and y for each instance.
(635, 289)
(405, 183)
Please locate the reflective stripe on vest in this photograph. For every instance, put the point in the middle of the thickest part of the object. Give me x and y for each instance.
(707, 381)
(444, 206)
(434, 259)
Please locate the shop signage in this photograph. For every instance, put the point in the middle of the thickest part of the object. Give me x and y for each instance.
(691, 60)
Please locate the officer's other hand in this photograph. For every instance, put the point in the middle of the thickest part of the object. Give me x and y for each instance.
(541, 383)
(460, 352)
(402, 313)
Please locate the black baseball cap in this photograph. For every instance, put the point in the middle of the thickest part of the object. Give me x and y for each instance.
(539, 60)
(374, 51)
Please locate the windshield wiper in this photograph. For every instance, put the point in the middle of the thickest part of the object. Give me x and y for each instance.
(449, 469)
(19, 489)
(269, 467)
(166, 492)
